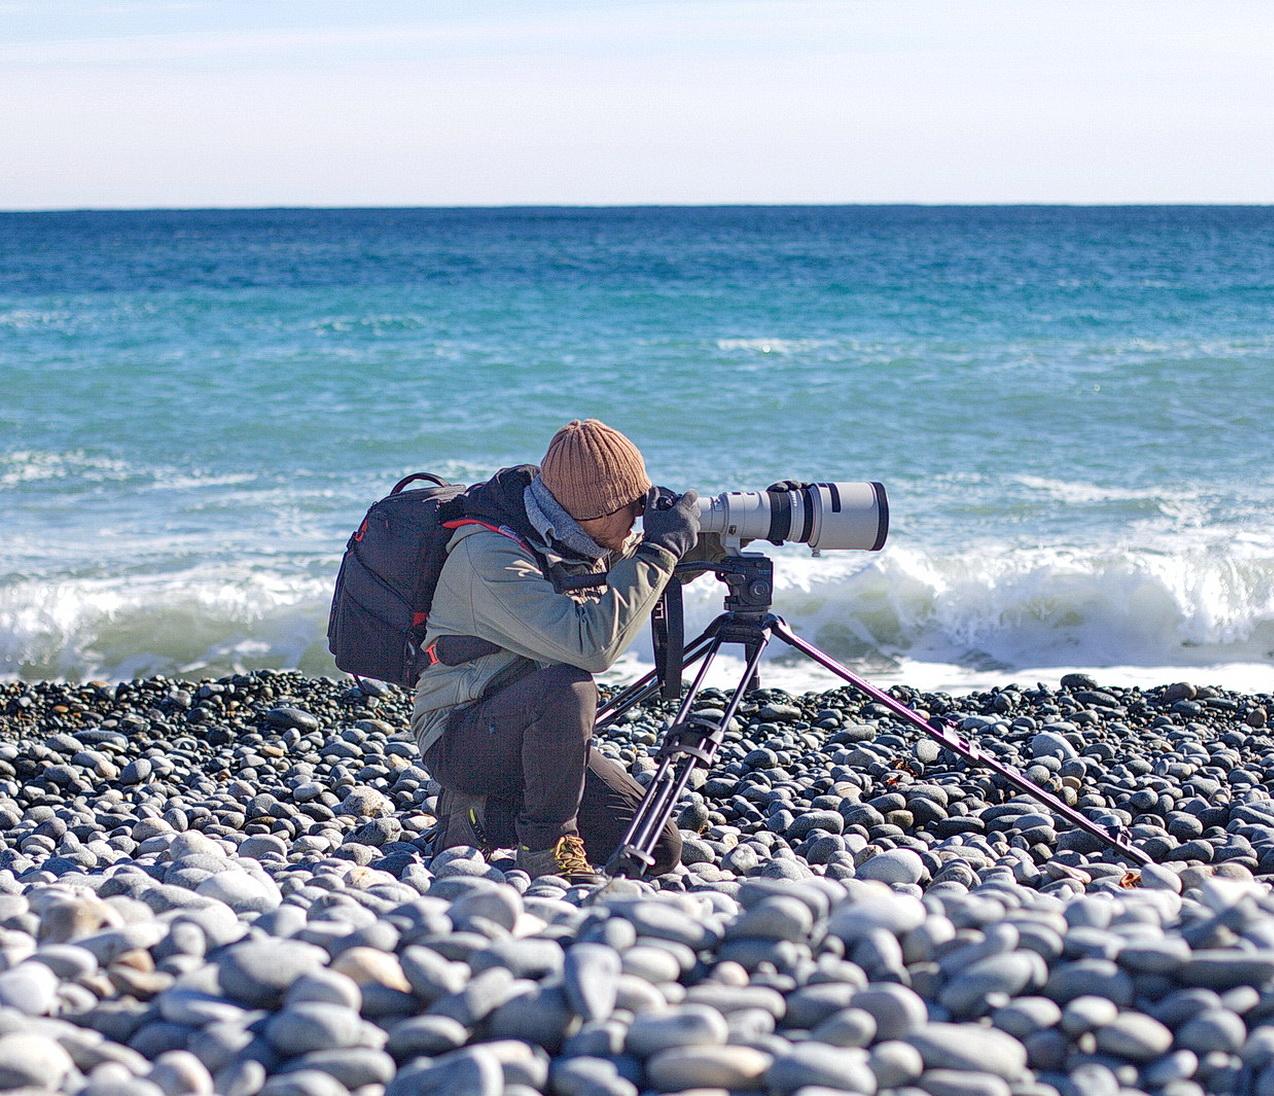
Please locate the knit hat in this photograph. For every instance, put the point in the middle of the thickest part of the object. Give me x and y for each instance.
(593, 470)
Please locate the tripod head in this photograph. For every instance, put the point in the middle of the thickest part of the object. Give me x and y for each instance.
(749, 580)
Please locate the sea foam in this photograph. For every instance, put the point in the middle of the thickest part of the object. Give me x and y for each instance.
(978, 613)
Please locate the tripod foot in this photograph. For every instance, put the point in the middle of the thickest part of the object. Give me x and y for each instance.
(628, 862)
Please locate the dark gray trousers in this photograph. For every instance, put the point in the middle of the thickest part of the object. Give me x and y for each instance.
(527, 747)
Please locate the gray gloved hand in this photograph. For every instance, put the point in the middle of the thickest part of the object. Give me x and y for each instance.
(670, 521)
(783, 486)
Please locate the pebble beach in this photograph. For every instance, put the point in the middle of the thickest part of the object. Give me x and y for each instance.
(225, 886)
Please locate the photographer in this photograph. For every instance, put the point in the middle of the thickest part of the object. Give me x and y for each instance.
(545, 585)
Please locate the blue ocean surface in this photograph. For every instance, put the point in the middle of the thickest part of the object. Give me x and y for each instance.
(1072, 409)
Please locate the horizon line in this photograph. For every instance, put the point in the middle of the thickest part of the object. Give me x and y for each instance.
(508, 206)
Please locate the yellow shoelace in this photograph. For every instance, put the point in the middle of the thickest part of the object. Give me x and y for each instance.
(570, 856)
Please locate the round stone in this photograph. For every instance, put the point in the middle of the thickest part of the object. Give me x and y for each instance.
(480, 997)
(809, 1006)
(265, 846)
(778, 917)
(258, 972)
(67, 961)
(313, 1025)
(950, 1082)
(894, 866)
(1089, 977)
(591, 980)
(589, 1077)
(430, 975)
(194, 1008)
(474, 1071)
(727, 1067)
(137, 771)
(689, 1025)
(896, 913)
(897, 1010)
(242, 892)
(894, 1063)
(968, 992)
(1213, 1030)
(30, 988)
(426, 1035)
(1088, 1014)
(363, 802)
(305, 1082)
(1134, 1036)
(180, 1073)
(292, 717)
(354, 1067)
(1024, 1015)
(325, 987)
(1051, 744)
(812, 1065)
(370, 967)
(850, 1027)
(498, 905)
(969, 1047)
(28, 1060)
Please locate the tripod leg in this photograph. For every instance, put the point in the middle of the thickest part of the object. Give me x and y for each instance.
(634, 854)
(970, 751)
(753, 680)
(648, 684)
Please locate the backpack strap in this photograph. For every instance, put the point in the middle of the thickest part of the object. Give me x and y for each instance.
(503, 530)
(457, 650)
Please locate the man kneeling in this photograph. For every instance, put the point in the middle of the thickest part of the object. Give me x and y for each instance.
(504, 714)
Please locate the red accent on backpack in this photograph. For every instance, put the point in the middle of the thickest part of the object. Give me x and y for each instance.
(489, 528)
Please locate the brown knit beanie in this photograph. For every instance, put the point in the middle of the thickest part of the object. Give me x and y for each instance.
(593, 470)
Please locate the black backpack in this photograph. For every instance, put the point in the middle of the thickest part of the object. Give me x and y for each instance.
(387, 580)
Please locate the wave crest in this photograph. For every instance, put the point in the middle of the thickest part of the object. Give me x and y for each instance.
(983, 609)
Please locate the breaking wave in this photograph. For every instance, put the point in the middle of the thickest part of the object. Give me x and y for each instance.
(982, 612)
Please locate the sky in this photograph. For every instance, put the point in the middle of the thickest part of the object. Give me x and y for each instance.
(133, 103)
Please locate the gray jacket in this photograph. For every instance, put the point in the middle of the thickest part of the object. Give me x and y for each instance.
(492, 587)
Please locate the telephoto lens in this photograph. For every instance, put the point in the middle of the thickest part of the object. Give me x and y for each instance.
(826, 516)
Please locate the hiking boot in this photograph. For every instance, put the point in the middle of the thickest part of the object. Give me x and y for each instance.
(461, 821)
(566, 857)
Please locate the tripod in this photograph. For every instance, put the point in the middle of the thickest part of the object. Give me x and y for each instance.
(692, 741)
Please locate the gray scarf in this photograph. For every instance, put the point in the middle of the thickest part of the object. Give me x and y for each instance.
(554, 524)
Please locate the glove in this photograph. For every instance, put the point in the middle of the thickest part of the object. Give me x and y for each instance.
(671, 522)
(783, 486)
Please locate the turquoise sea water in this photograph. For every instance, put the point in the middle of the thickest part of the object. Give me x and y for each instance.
(1072, 409)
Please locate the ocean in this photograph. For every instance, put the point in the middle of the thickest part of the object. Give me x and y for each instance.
(1072, 409)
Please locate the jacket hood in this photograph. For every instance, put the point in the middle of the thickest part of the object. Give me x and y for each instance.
(499, 501)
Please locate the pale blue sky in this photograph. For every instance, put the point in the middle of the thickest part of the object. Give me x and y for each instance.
(476, 102)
